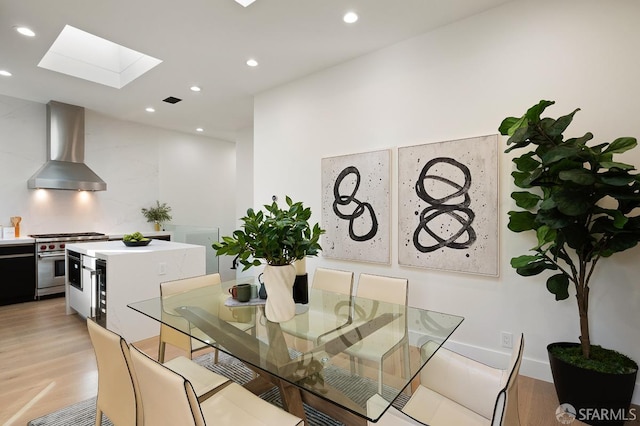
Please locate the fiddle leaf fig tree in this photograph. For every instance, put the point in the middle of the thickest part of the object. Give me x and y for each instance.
(278, 236)
(578, 200)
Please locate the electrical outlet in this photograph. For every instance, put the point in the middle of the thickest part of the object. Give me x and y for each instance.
(506, 339)
(162, 268)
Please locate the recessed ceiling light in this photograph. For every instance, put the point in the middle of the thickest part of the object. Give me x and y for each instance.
(195, 88)
(25, 31)
(199, 129)
(350, 17)
(5, 73)
(245, 3)
(252, 63)
(150, 109)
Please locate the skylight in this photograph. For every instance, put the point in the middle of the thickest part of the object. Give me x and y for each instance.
(83, 55)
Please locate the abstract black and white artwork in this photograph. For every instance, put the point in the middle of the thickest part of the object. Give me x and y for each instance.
(448, 205)
(356, 201)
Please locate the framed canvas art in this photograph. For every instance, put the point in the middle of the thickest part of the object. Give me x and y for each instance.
(448, 205)
(356, 201)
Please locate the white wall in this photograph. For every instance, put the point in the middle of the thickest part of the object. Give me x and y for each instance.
(461, 81)
(244, 188)
(141, 164)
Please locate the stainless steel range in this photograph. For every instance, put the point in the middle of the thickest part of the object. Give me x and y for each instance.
(50, 258)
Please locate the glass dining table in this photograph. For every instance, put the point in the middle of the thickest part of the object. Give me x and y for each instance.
(345, 356)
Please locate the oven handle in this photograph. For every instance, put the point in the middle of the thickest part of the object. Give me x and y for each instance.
(49, 256)
(15, 256)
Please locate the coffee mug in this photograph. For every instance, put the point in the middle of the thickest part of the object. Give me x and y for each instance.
(241, 292)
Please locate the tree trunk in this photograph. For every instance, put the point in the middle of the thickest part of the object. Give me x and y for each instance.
(582, 294)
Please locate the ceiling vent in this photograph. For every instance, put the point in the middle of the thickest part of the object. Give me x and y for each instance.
(171, 100)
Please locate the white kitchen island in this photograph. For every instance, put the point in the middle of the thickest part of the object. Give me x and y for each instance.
(134, 274)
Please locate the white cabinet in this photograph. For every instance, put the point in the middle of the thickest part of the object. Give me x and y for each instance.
(134, 274)
(83, 299)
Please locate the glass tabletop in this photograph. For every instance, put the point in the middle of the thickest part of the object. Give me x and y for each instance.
(357, 353)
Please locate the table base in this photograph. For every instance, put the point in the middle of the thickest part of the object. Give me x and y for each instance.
(293, 398)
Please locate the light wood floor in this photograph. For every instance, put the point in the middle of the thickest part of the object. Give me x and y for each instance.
(47, 362)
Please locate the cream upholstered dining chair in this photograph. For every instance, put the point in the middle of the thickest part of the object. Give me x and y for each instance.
(333, 280)
(169, 399)
(171, 335)
(243, 319)
(383, 342)
(337, 285)
(455, 390)
(117, 394)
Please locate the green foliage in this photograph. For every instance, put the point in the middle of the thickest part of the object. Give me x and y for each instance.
(278, 236)
(159, 213)
(575, 197)
(135, 237)
(602, 360)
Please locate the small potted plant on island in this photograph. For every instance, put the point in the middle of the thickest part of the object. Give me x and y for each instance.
(582, 205)
(158, 214)
(278, 237)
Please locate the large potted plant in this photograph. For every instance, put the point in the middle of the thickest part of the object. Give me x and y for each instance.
(581, 204)
(277, 237)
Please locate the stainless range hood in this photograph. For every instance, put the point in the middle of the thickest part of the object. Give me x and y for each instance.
(65, 168)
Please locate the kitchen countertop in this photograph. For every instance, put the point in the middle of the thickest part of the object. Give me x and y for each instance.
(106, 249)
(30, 240)
(148, 234)
(20, 240)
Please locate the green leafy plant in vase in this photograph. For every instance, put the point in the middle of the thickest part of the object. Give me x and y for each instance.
(277, 237)
(157, 214)
(581, 204)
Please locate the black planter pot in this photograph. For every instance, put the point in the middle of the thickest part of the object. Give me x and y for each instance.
(598, 398)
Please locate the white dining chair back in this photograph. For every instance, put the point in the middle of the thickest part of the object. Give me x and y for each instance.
(116, 394)
(377, 295)
(171, 335)
(333, 280)
(387, 289)
(454, 388)
(168, 399)
(506, 408)
(326, 311)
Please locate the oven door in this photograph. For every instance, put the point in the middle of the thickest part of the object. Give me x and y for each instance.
(74, 270)
(51, 273)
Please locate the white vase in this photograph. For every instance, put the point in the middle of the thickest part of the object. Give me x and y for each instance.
(278, 281)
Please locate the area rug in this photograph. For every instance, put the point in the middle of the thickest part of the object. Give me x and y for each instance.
(360, 389)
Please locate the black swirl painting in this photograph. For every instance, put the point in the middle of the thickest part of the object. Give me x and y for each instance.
(448, 203)
(356, 206)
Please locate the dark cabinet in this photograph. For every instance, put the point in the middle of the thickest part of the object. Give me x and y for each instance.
(17, 273)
